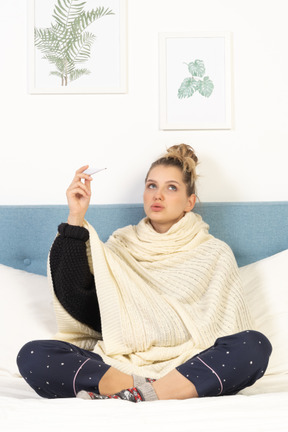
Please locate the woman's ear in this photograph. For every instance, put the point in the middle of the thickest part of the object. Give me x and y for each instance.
(191, 203)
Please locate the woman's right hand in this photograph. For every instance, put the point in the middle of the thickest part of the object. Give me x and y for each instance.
(78, 196)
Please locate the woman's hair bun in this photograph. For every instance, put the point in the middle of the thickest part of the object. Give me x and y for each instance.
(184, 154)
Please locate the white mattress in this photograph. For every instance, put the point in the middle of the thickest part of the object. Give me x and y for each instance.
(23, 410)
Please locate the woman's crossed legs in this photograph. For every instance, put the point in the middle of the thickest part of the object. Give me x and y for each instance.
(56, 369)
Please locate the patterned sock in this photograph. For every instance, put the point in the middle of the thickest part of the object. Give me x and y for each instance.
(145, 392)
(138, 380)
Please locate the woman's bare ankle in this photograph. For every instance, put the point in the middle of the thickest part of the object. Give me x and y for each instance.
(174, 386)
(113, 381)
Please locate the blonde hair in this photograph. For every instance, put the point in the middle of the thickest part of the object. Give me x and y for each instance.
(183, 157)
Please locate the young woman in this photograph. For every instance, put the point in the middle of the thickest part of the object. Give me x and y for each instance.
(157, 312)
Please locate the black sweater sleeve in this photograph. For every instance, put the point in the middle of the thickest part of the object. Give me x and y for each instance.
(72, 280)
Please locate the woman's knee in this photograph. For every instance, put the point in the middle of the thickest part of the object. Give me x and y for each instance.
(252, 344)
(32, 353)
(257, 341)
(248, 345)
(36, 363)
(260, 344)
(26, 357)
(251, 338)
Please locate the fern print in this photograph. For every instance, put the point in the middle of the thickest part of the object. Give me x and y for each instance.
(66, 44)
(194, 83)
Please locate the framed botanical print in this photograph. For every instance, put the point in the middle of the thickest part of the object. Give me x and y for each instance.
(195, 80)
(77, 46)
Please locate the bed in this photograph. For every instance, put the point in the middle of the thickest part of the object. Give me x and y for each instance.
(258, 235)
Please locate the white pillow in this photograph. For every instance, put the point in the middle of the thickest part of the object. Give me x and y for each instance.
(266, 289)
(26, 313)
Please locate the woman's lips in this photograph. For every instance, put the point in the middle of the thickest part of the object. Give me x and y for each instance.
(156, 207)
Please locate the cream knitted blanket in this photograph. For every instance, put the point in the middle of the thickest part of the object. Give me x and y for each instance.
(163, 297)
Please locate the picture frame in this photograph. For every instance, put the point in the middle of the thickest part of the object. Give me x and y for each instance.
(195, 80)
(77, 46)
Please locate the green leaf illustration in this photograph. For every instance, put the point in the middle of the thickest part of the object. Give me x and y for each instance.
(86, 18)
(197, 68)
(193, 84)
(66, 43)
(206, 87)
(66, 11)
(79, 49)
(187, 88)
(77, 73)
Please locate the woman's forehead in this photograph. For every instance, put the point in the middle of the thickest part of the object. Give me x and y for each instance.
(169, 173)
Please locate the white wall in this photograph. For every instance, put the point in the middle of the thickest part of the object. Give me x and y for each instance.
(43, 141)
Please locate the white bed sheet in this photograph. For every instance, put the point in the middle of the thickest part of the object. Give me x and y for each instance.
(23, 410)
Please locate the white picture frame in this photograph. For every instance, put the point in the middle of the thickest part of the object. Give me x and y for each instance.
(189, 102)
(104, 69)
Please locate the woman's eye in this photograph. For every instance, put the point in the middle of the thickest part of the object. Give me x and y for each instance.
(172, 187)
(151, 186)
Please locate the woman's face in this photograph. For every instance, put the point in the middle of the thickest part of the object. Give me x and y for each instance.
(165, 197)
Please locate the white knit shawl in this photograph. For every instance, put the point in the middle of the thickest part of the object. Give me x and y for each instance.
(164, 297)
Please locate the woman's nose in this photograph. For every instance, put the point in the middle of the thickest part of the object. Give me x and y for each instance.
(158, 195)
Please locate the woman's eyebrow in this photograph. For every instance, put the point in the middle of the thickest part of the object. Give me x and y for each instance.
(168, 181)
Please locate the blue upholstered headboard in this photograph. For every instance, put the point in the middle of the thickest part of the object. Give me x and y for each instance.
(253, 230)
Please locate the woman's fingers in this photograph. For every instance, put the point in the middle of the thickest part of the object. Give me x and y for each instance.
(79, 191)
(80, 175)
(77, 181)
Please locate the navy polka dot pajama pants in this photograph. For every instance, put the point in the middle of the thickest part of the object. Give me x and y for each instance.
(231, 364)
(59, 369)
